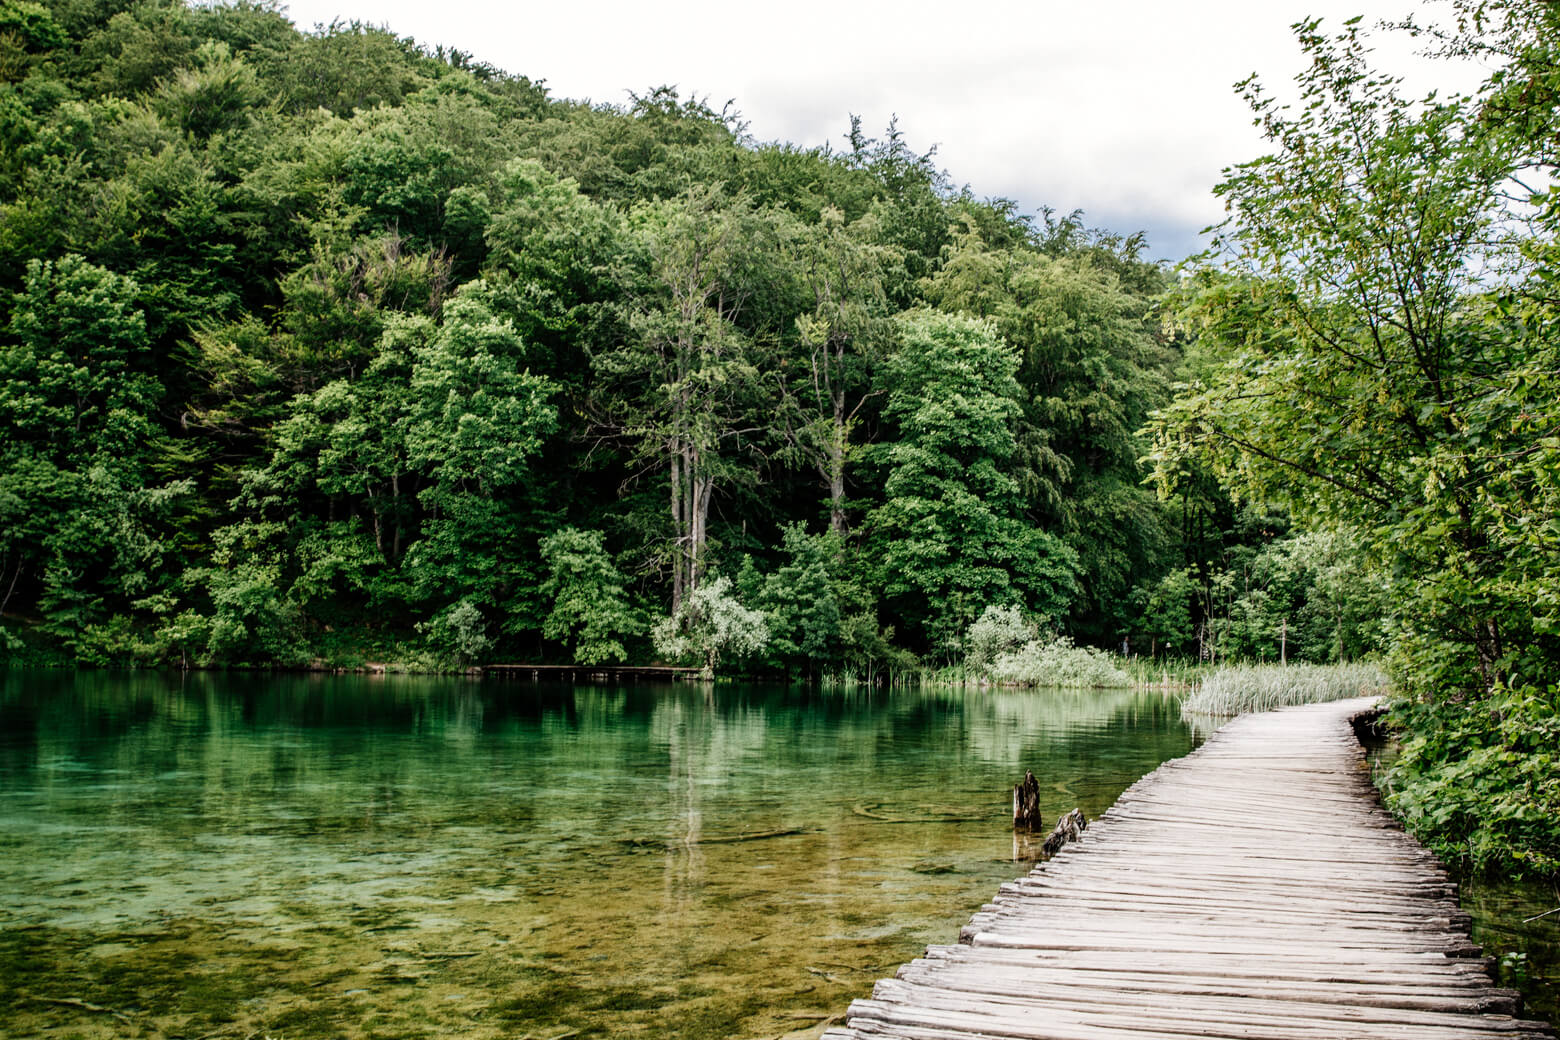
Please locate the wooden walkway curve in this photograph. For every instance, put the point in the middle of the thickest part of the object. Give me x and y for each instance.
(1254, 889)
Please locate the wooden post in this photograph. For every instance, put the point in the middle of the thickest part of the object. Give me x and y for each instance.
(1026, 804)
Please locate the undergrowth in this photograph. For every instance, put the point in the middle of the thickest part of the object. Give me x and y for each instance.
(1478, 779)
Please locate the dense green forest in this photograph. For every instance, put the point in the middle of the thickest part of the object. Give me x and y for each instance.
(325, 347)
(320, 346)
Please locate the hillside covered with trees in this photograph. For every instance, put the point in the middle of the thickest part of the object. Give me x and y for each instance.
(323, 346)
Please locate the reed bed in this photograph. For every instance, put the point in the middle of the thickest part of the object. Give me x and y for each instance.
(1237, 689)
(1166, 673)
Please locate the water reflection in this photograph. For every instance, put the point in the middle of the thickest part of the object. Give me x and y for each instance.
(345, 856)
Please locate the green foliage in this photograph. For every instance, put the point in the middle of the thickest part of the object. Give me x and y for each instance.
(1092, 366)
(459, 631)
(27, 32)
(1375, 354)
(589, 605)
(950, 539)
(710, 623)
(251, 619)
(1364, 372)
(801, 602)
(346, 67)
(1479, 782)
(338, 305)
(86, 523)
(845, 337)
(1271, 594)
(1002, 647)
(998, 631)
(1057, 662)
(1165, 613)
(216, 95)
(427, 447)
(75, 380)
(317, 342)
(686, 396)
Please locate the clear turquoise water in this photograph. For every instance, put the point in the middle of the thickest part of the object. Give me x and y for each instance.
(396, 857)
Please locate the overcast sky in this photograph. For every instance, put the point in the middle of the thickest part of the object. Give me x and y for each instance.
(1121, 108)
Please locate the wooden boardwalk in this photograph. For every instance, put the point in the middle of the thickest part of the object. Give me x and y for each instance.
(591, 673)
(1254, 889)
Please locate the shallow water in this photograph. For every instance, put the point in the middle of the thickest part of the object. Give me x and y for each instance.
(391, 857)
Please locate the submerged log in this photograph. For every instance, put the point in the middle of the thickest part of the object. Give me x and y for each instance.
(1026, 804)
(1068, 828)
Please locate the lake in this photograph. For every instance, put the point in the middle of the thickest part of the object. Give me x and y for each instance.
(320, 856)
(219, 855)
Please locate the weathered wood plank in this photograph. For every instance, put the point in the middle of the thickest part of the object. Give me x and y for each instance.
(1229, 1009)
(1343, 965)
(1253, 890)
(1094, 986)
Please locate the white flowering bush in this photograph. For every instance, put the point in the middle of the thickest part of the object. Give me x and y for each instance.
(709, 623)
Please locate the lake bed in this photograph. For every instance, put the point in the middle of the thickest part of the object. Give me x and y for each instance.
(301, 856)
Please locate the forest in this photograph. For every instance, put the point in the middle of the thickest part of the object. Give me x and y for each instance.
(324, 347)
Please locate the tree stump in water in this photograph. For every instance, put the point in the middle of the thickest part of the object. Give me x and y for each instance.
(1026, 804)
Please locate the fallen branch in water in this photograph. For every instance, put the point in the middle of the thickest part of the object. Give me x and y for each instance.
(80, 1005)
(867, 811)
(761, 836)
(726, 839)
(1537, 917)
(1068, 828)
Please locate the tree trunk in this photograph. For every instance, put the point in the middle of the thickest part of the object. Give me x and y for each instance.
(1026, 804)
(837, 445)
(15, 574)
(703, 490)
(395, 503)
(677, 527)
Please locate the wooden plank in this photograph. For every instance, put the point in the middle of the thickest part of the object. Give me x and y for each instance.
(1399, 969)
(1253, 890)
(1278, 963)
(1266, 1009)
(1061, 983)
(1065, 1022)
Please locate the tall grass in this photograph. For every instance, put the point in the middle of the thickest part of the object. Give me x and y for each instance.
(1236, 689)
(1166, 673)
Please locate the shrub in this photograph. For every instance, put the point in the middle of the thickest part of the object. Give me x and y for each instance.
(1478, 780)
(998, 630)
(1057, 662)
(709, 623)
